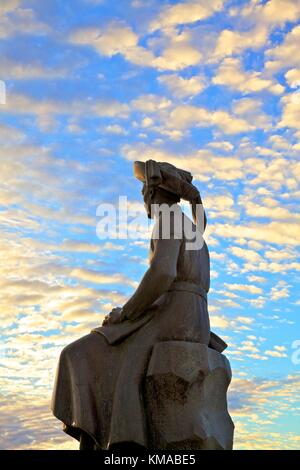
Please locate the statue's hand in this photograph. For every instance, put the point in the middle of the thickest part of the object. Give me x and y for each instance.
(114, 317)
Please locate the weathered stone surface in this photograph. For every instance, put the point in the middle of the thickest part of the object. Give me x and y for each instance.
(185, 391)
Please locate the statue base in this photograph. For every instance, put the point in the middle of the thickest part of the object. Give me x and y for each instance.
(185, 396)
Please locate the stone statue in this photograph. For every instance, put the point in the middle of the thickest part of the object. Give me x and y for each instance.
(153, 374)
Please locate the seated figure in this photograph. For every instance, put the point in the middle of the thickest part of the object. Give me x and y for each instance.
(153, 374)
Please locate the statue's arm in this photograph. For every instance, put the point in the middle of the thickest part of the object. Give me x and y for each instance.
(157, 280)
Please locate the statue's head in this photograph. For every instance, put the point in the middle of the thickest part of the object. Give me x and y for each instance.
(155, 195)
(163, 183)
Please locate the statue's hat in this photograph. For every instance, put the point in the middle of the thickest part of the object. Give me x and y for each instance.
(169, 178)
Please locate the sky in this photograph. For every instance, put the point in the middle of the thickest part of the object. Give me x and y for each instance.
(89, 86)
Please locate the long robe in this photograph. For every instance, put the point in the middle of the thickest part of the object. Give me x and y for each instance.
(99, 381)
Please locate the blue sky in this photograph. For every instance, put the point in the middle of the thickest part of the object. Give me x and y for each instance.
(212, 87)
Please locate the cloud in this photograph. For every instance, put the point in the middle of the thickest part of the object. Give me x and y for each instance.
(220, 203)
(258, 20)
(279, 142)
(34, 179)
(202, 164)
(224, 145)
(19, 21)
(177, 56)
(206, 165)
(182, 87)
(114, 39)
(256, 279)
(251, 109)
(9, 5)
(115, 129)
(272, 267)
(38, 280)
(293, 78)
(245, 288)
(118, 38)
(278, 255)
(236, 323)
(287, 54)
(263, 402)
(9, 134)
(221, 206)
(274, 174)
(248, 255)
(278, 351)
(151, 103)
(275, 212)
(174, 120)
(234, 42)
(12, 70)
(185, 13)
(291, 111)
(45, 110)
(272, 13)
(78, 246)
(279, 292)
(23, 420)
(273, 232)
(185, 116)
(230, 74)
(98, 277)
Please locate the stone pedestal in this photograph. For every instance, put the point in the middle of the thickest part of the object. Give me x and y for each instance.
(185, 396)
